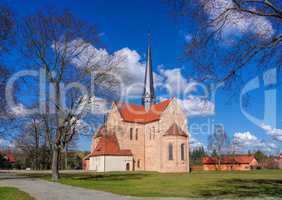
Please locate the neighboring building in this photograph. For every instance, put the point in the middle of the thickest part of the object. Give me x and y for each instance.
(107, 155)
(154, 135)
(9, 156)
(279, 161)
(237, 162)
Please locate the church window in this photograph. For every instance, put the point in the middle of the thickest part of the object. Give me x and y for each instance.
(138, 163)
(131, 133)
(182, 151)
(170, 151)
(136, 134)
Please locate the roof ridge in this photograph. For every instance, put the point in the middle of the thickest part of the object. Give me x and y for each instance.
(136, 113)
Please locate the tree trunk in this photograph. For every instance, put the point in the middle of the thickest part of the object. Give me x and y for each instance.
(55, 163)
(66, 157)
(56, 147)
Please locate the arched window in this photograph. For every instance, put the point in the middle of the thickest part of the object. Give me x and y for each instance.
(136, 134)
(182, 151)
(170, 151)
(131, 133)
(138, 163)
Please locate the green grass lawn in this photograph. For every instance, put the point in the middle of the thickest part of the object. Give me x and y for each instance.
(197, 184)
(10, 193)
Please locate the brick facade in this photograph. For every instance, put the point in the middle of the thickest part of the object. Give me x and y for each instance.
(149, 139)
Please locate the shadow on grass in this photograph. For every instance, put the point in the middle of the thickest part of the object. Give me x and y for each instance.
(244, 188)
(7, 176)
(93, 176)
(108, 177)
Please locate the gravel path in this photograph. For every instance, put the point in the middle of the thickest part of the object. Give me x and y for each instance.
(44, 190)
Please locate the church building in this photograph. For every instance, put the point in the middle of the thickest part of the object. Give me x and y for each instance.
(152, 136)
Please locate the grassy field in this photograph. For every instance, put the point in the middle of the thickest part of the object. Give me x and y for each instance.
(197, 184)
(10, 193)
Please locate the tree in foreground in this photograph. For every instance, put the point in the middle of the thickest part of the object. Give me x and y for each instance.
(56, 43)
(7, 33)
(231, 34)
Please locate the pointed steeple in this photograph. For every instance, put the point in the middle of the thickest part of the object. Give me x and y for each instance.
(148, 98)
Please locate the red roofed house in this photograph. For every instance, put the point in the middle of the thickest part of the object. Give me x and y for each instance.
(154, 134)
(279, 161)
(106, 154)
(9, 156)
(236, 162)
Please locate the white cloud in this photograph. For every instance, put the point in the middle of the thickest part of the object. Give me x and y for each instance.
(97, 105)
(237, 21)
(247, 141)
(180, 87)
(273, 132)
(19, 110)
(128, 66)
(195, 143)
(6, 143)
(175, 82)
(197, 106)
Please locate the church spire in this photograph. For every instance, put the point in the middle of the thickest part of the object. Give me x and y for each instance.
(148, 95)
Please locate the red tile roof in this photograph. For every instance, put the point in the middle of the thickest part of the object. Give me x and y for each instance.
(137, 114)
(175, 130)
(9, 156)
(237, 159)
(108, 145)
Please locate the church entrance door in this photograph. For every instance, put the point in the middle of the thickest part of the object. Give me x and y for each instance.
(127, 166)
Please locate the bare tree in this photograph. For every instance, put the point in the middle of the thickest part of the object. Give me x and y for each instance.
(31, 142)
(7, 32)
(53, 42)
(251, 30)
(7, 24)
(218, 142)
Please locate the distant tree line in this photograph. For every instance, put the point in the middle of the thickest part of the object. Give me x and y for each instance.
(196, 156)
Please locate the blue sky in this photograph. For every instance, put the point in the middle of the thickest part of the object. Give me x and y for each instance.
(124, 24)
